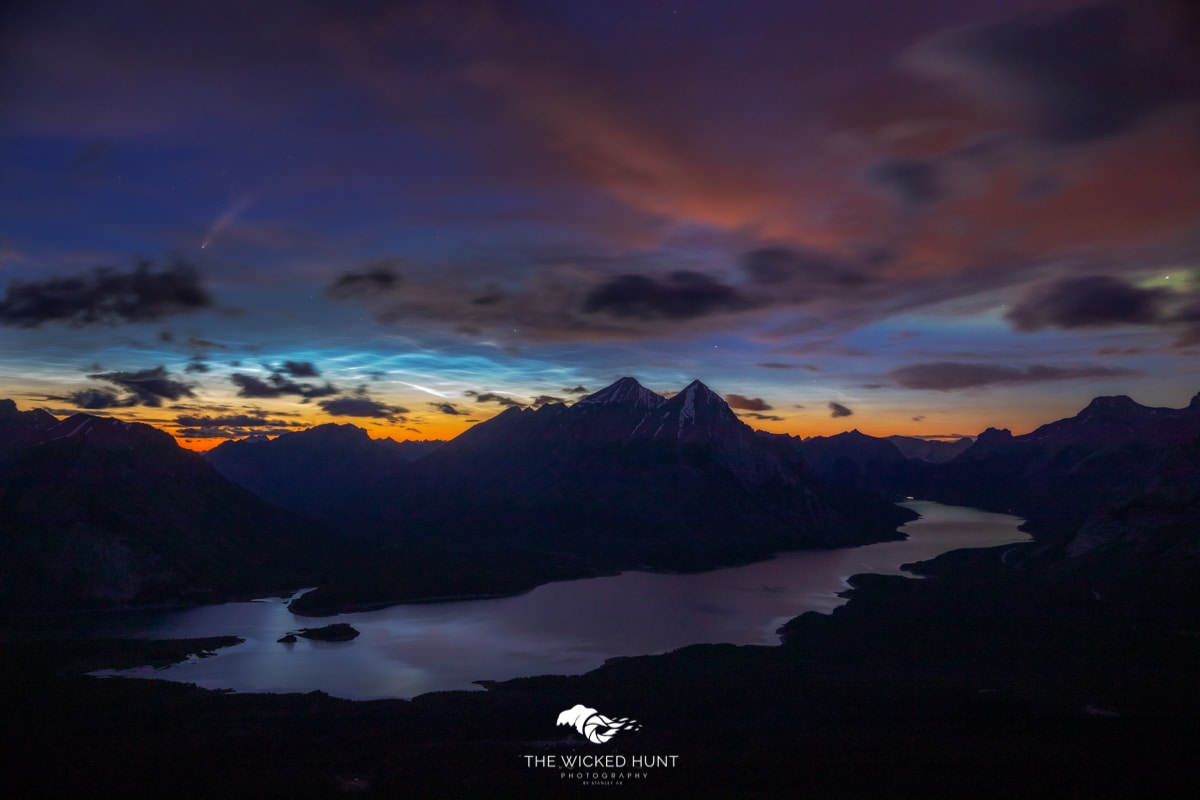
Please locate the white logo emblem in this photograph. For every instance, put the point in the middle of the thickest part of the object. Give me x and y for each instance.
(595, 726)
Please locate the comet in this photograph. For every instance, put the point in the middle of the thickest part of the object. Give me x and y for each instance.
(223, 219)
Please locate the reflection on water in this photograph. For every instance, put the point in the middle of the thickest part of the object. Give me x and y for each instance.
(559, 628)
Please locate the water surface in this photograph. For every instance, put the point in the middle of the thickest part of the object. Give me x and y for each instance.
(560, 628)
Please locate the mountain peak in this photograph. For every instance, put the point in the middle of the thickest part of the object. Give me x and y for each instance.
(627, 392)
(1114, 403)
(697, 408)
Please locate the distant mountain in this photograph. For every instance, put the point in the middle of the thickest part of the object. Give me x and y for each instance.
(333, 473)
(1114, 490)
(99, 512)
(934, 451)
(854, 460)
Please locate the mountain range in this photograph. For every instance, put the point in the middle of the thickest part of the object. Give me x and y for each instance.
(99, 512)
(1113, 492)
(96, 512)
(629, 477)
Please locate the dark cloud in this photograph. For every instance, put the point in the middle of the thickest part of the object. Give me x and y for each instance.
(781, 365)
(1189, 315)
(147, 387)
(1090, 301)
(919, 418)
(491, 397)
(203, 345)
(545, 399)
(576, 390)
(800, 268)
(764, 417)
(105, 296)
(360, 406)
(229, 433)
(746, 403)
(299, 369)
(231, 421)
(1077, 74)
(872, 386)
(914, 183)
(680, 295)
(449, 408)
(277, 386)
(375, 279)
(948, 375)
(93, 399)
(839, 410)
(628, 299)
(196, 366)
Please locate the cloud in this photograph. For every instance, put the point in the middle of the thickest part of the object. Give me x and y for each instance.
(919, 418)
(361, 406)
(576, 390)
(491, 397)
(377, 278)
(1090, 301)
(276, 385)
(231, 421)
(299, 369)
(746, 403)
(545, 399)
(228, 433)
(839, 410)
(1075, 75)
(947, 375)
(914, 183)
(584, 297)
(202, 345)
(680, 295)
(781, 365)
(105, 296)
(147, 387)
(800, 268)
(764, 417)
(93, 399)
(449, 408)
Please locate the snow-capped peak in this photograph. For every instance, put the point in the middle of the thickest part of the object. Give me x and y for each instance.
(627, 392)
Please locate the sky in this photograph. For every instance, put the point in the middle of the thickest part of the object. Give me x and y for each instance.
(920, 218)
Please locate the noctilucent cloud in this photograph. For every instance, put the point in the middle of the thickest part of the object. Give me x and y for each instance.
(921, 218)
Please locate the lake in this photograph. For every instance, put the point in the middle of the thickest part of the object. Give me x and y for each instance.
(559, 628)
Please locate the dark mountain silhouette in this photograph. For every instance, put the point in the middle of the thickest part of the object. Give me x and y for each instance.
(854, 460)
(623, 479)
(99, 512)
(334, 473)
(630, 478)
(19, 429)
(934, 451)
(1113, 492)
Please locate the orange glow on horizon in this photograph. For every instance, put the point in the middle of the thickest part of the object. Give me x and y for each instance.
(877, 425)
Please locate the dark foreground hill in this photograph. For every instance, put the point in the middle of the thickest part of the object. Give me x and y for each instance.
(95, 512)
(984, 681)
